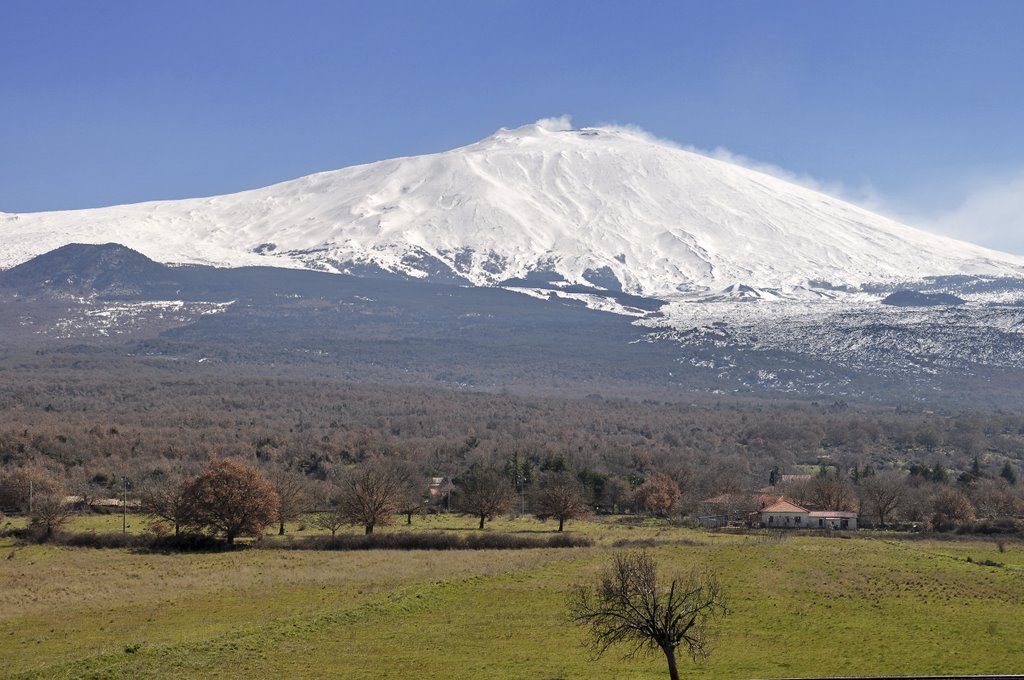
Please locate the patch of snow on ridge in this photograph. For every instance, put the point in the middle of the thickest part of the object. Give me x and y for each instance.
(855, 331)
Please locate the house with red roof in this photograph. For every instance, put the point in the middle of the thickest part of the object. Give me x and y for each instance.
(786, 515)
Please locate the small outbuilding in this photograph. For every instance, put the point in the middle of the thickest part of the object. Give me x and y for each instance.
(833, 519)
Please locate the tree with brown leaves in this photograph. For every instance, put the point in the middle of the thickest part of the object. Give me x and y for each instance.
(627, 605)
(659, 495)
(231, 498)
(950, 507)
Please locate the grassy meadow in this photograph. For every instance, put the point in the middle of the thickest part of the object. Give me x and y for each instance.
(801, 606)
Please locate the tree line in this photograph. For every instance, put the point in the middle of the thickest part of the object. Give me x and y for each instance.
(89, 430)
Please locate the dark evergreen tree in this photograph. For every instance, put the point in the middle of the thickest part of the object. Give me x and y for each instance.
(1008, 473)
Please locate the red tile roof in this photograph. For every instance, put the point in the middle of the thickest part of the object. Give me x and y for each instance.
(783, 506)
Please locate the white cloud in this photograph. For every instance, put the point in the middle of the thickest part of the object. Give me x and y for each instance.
(865, 196)
(991, 215)
(559, 124)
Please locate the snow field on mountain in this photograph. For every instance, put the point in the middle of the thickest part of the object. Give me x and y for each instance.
(660, 219)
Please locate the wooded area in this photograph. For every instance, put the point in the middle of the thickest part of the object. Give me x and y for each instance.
(89, 427)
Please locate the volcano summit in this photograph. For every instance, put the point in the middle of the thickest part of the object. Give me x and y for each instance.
(605, 207)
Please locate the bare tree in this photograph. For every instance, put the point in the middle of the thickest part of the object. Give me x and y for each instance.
(50, 512)
(916, 504)
(370, 495)
(414, 498)
(830, 493)
(293, 492)
(164, 497)
(329, 514)
(995, 498)
(882, 494)
(485, 493)
(627, 606)
(561, 497)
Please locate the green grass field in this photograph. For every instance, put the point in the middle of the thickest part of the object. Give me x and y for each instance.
(805, 605)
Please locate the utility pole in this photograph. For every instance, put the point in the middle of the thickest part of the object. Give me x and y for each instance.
(124, 507)
(521, 483)
(30, 499)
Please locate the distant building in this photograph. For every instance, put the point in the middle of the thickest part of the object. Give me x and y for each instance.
(438, 487)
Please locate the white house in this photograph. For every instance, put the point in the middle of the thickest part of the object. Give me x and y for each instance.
(834, 519)
(786, 515)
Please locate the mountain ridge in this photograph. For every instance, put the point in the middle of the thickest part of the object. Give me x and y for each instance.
(852, 345)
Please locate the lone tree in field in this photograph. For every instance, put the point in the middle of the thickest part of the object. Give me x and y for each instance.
(232, 499)
(485, 493)
(628, 606)
(561, 497)
(371, 495)
(49, 513)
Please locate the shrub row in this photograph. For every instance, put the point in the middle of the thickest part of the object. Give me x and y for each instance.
(188, 542)
(432, 541)
(999, 525)
(194, 542)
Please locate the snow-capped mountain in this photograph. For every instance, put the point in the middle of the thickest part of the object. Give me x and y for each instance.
(603, 207)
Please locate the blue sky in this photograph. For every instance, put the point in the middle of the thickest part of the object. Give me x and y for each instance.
(915, 108)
